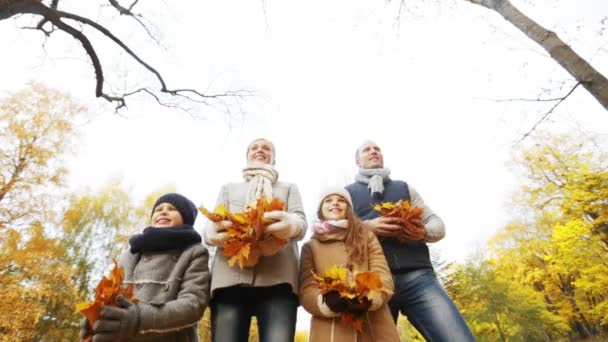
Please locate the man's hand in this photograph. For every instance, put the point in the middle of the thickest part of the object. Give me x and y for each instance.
(414, 229)
(385, 226)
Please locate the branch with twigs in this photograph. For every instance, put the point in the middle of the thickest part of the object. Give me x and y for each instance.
(52, 15)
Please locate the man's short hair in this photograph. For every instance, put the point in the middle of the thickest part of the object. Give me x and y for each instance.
(358, 151)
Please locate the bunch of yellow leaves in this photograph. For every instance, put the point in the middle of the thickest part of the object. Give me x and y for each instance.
(400, 209)
(105, 294)
(358, 287)
(248, 242)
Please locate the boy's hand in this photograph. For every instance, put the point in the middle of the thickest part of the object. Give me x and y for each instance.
(85, 330)
(117, 323)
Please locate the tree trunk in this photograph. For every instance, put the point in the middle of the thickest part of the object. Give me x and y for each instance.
(582, 71)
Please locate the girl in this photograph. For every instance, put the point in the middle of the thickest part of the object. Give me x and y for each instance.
(339, 239)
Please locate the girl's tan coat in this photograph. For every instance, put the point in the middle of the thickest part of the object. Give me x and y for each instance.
(318, 256)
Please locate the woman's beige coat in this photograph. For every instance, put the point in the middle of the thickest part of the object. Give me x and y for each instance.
(270, 270)
(318, 256)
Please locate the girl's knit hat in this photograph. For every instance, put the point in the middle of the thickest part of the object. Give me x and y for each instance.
(185, 206)
(333, 190)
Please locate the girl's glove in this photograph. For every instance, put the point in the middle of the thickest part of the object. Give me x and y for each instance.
(117, 323)
(216, 234)
(288, 225)
(325, 310)
(356, 307)
(377, 302)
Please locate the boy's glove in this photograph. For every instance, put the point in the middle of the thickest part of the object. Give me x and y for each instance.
(117, 323)
(216, 234)
(85, 329)
(288, 225)
(356, 307)
(325, 310)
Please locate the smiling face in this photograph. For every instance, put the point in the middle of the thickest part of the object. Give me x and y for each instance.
(369, 156)
(260, 151)
(166, 215)
(333, 207)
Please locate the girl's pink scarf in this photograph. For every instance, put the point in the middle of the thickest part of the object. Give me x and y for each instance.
(329, 229)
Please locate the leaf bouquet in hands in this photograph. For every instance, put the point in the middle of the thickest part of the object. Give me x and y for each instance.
(105, 294)
(356, 291)
(247, 240)
(409, 216)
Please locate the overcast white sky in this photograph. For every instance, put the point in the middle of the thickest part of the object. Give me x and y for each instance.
(329, 74)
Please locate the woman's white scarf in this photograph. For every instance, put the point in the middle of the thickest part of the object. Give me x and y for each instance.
(260, 178)
(375, 179)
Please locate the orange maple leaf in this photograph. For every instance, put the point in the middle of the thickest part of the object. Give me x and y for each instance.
(401, 209)
(356, 322)
(367, 281)
(105, 294)
(358, 287)
(248, 242)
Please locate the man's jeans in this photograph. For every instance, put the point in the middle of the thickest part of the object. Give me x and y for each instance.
(275, 308)
(420, 297)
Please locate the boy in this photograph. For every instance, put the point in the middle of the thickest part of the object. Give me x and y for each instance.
(168, 266)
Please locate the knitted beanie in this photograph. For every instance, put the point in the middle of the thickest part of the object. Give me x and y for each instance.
(272, 160)
(185, 206)
(333, 190)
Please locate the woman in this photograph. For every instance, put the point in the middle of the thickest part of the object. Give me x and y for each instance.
(340, 240)
(267, 290)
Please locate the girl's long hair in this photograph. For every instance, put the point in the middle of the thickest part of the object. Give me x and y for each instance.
(355, 241)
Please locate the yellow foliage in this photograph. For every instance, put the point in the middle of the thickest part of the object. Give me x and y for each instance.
(38, 127)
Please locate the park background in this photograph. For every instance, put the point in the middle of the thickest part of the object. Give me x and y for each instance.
(467, 109)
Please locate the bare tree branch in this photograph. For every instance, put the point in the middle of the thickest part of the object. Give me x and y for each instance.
(50, 14)
(559, 101)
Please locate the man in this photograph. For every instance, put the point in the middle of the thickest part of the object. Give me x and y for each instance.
(418, 293)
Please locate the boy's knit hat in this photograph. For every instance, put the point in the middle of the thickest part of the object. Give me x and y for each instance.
(333, 190)
(185, 206)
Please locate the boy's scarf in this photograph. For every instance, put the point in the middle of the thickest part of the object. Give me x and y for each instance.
(329, 230)
(260, 177)
(155, 239)
(375, 179)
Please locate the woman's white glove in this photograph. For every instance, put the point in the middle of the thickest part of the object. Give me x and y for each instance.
(288, 225)
(325, 310)
(216, 233)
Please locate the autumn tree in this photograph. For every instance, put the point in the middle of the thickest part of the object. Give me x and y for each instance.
(498, 309)
(51, 17)
(37, 125)
(94, 229)
(543, 277)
